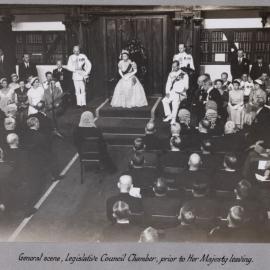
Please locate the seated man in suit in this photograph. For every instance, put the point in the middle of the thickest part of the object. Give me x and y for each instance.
(235, 230)
(206, 209)
(227, 178)
(193, 174)
(150, 158)
(122, 230)
(143, 177)
(135, 204)
(187, 230)
(194, 141)
(151, 140)
(210, 160)
(258, 68)
(27, 68)
(161, 210)
(231, 141)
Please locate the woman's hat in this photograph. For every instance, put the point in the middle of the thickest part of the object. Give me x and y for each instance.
(3, 79)
(14, 75)
(33, 80)
(258, 81)
(237, 81)
(125, 52)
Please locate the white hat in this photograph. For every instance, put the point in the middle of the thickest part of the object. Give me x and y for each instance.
(258, 81)
(33, 80)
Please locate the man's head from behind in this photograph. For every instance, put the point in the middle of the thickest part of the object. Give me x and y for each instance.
(40, 106)
(13, 140)
(160, 187)
(149, 235)
(33, 123)
(204, 126)
(230, 161)
(150, 128)
(187, 215)
(137, 160)
(9, 123)
(175, 143)
(138, 144)
(243, 189)
(125, 183)
(206, 147)
(194, 162)
(236, 216)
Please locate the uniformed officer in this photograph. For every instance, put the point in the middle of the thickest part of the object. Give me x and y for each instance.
(176, 87)
(184, 59)
(80, 66)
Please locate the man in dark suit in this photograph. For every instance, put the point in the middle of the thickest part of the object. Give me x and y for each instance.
(213, 94)
(206, 209)
(227, 178)
(26, 68)
(260, 129)
(6, 65)
(63, 76)
(161, 211)
(239, 64)
(258, 68)
(135, 204)
(151, 140)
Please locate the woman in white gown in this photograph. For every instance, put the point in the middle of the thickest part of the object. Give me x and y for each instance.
(128, 92)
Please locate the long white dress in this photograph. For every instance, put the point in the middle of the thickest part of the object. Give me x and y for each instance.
(128, 92)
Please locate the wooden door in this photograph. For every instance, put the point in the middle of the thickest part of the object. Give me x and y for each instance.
(151, 31)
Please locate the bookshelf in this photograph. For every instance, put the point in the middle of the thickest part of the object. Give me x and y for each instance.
(45, 47)
(254, 42)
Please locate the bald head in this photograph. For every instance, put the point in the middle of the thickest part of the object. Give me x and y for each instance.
(13, 140)
(125, 183)
(194, 162)
(150, 128)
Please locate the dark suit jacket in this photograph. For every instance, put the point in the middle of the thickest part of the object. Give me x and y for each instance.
(161, 212)
(64, 77)
(7, 67)
(24, 72)
(257, 71)
(135, 205)
(237, 70)
(215, 96)
(152, 142)
(226, 180)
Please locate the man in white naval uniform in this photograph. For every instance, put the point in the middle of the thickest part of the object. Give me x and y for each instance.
(80, 66)
(184, 59)
(176, 87)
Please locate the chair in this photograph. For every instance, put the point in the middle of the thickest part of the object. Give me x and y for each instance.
(89, 154)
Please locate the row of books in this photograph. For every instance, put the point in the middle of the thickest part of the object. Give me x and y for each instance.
(262, 46)
(263, 35)
(243, 36)
(220, 47)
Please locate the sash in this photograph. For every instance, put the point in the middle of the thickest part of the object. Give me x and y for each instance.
(178, 78)
(127, 70)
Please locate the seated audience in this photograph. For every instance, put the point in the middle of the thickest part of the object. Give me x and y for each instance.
(135, 204)
(160, 211)
(235, 229)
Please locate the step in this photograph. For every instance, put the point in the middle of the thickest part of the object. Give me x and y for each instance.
(120, 139)
(141, 112)
(122, 125)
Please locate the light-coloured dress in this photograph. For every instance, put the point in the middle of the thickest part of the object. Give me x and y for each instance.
(128, 92)
(235, 108)
(35, 95)
(6, 99)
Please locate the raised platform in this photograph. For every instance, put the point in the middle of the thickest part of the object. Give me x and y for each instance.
(120, 126)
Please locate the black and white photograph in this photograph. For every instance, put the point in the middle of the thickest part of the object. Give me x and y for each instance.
(138, 124)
